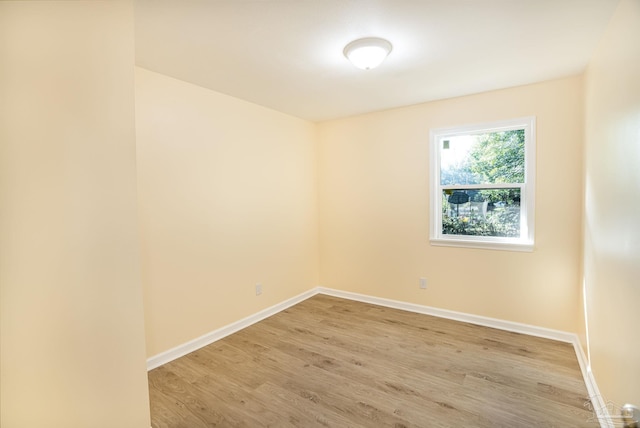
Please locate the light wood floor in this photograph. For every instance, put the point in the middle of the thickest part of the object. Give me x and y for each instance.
(329, 362)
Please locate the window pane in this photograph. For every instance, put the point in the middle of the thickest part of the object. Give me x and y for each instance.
(481, 212)
(495, 157)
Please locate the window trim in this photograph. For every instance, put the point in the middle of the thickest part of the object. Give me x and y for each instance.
(527, 203)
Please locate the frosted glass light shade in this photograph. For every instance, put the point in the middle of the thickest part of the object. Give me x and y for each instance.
(367, 53)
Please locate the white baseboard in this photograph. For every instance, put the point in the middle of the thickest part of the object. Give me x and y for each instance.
(207, 339)
(515, 327)
(600, 407)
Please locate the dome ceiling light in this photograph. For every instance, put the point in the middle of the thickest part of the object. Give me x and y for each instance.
(367, 53)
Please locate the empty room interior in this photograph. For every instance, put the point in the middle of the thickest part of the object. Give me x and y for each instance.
(211, 214)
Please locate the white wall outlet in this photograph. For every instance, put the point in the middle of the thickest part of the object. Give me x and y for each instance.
(258, 289)
(423, 283)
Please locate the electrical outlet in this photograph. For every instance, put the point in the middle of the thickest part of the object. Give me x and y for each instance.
(423, 283)
(258, 289)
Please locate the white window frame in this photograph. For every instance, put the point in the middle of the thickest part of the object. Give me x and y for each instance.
(525, 242)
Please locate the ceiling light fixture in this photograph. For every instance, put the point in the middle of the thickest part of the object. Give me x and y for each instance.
(367, 53)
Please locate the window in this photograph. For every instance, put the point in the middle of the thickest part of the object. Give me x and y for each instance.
(483, 185)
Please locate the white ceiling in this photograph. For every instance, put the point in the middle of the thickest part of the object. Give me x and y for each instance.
(287, 54)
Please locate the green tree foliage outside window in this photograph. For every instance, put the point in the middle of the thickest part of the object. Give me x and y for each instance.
(492, 158)
(499, 157)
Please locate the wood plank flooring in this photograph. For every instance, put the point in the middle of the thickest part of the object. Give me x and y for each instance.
(329, 362)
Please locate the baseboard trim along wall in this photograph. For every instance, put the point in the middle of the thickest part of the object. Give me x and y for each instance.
(600, 408)
(452, 315)
(222, 332)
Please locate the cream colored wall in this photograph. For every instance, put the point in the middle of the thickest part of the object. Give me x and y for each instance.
(228, 198)
(612, 211)
(374, 199)
(72, 339)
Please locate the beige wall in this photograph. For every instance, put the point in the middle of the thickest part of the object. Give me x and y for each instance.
(72, 339)
(228, 198)
(374, 199)
(612, 207)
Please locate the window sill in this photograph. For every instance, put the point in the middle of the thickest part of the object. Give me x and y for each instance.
(487, 245)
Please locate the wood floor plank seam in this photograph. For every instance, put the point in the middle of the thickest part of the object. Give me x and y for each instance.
(332, 362)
